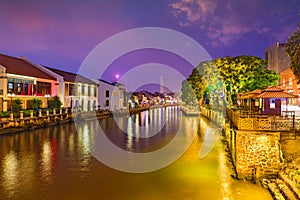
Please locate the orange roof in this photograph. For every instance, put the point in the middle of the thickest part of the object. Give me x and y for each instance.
(252, 94)
(276, 94)
(273, 89)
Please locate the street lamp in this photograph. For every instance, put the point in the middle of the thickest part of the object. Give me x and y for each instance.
(47, 96)
(11, 95)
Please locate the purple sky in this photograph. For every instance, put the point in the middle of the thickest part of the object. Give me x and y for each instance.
(61, 33)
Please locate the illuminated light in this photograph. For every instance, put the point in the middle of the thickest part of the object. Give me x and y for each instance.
(117, 76)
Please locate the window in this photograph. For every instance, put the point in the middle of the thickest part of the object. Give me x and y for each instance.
(43, 88)
(107, 93)
(107, 103)
(272, 103)
(10, 87)
(71, 90)
(83, 90)
(89, 90)
(95, 92)
(290, 81)
(283, 82)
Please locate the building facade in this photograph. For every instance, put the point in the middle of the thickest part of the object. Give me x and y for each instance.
(278, 61)
(276, 57)
(111, 96)
(77, 92)
(20, 79)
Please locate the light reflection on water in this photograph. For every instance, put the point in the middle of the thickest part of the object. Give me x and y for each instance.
(54, 163)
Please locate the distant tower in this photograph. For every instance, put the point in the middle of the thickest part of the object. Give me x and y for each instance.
(162, 83)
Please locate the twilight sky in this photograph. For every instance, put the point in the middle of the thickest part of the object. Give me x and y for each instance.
(61, 33)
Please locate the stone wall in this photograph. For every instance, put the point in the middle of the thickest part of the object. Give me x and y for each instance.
(290, 145)
(257, 153)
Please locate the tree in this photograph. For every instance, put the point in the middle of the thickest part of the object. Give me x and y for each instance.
(187, 93)
(293, 51)
(16, 107)
(35, 103)
(55, 102)
(243, 74)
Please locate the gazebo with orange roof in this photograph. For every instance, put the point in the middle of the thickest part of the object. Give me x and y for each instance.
(272, 97)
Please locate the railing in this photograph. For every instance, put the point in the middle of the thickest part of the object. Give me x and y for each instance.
(253, 121)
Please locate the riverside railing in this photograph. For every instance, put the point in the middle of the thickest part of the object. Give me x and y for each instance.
(243, 120)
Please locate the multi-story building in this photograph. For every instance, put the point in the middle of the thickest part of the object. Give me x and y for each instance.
(78, 92)
(276, 57)
(111, 96)
(20, 79)
(278, 61)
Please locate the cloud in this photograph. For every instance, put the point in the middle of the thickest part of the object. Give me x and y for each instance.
(224, 22)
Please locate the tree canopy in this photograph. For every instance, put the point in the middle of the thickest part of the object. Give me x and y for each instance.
(228, 76)
(293, 51)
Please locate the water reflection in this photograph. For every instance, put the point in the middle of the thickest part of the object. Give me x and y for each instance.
(53, 163)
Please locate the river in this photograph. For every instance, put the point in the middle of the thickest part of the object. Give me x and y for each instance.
(59, 162)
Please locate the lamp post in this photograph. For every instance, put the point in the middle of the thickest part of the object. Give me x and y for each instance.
(11, 95)
(47, 96)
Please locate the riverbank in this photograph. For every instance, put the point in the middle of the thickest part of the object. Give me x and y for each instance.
(32, 123)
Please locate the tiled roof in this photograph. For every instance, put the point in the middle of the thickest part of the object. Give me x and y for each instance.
(250, 95)
(276, 94)
(72, 77)
(19, 66)
(273, 89)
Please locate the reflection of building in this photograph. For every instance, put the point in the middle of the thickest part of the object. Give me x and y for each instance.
(279, 61)
(25, 81)
(110, 95)
(79, 93)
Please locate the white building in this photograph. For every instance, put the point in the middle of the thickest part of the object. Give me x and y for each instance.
(79, 92)
(110, 95)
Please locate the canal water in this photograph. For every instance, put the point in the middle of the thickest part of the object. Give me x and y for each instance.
(57, 163)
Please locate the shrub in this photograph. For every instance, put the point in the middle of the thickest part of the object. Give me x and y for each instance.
(26, 113)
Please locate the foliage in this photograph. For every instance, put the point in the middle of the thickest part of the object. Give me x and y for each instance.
(227, 76)
(197, 83)
(4, 114)
(35, 103)
(293, 51)
(16, 107)
(187, 94)
(26, 113)
(244, 74)
(55, 102)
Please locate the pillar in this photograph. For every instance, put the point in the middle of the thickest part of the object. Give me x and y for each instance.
(31, 114)
(21, 114)
(40, 112)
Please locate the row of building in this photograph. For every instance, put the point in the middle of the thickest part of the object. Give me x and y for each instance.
(278, 61)
(22, 79)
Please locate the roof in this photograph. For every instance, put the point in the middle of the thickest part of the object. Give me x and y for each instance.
(275, 92)
(19, 66)
(72, 77)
